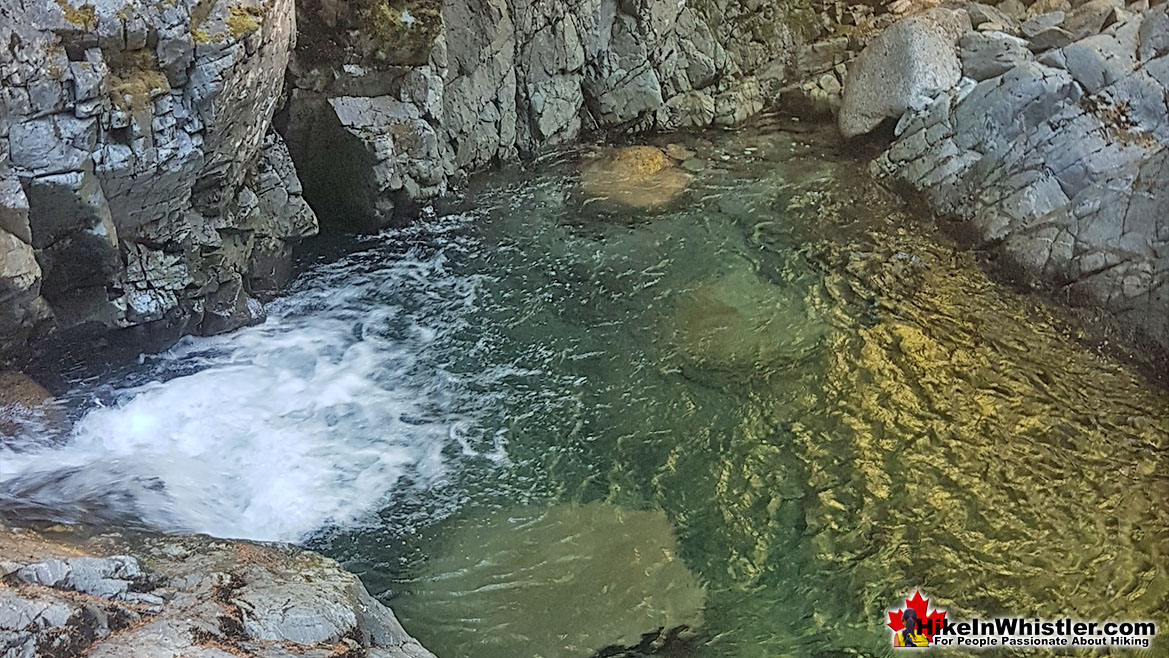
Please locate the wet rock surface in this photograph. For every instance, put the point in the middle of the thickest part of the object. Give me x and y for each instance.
(64, 594)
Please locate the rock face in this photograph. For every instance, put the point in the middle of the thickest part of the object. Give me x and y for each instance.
(1060, 165)
(156, 596)
(901, 69)
(139, 183)
(390, 101)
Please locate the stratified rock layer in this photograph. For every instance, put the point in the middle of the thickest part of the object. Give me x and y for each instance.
(156, 597)
(139, 184)
(1060, 164)
(390, 101)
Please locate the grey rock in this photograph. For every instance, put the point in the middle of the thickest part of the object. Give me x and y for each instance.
(981, 14)
(1060, 166)
(199, 591)
(139, 126)
(1052, 37)
(1037, 24)
(1091, 17)
(985, 55)
(903, 67)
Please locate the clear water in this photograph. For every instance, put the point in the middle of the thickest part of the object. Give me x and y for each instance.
(779, 380)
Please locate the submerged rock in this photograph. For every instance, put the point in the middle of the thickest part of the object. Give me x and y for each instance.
(634, 176)
(739, 321)
(23, 402)
(566, 580)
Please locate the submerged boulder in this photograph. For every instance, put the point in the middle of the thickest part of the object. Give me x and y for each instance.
(566, 580)
(25, 404)
(739, 321)
(641, 177)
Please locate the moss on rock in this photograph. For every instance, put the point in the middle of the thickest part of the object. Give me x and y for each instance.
(83, 16)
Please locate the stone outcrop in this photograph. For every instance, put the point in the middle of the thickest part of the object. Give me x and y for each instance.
(391, 101)
(112, 596)
(139, 181)
(1054, 154)
(902, 69)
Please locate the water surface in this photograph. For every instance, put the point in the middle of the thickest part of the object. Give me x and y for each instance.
(813, 402)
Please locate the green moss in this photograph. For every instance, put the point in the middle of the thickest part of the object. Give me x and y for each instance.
(402, 31)
(84, 16)
(242, 20)
(135, 80)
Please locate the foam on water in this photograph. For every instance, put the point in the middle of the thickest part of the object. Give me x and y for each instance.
(310, 421)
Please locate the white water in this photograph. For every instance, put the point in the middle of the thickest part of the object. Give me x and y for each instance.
(310, 421)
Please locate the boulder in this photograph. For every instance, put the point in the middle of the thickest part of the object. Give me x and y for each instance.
(741, 323)
(25, 405)
(902, 68)
(641, 177)
(565, 580)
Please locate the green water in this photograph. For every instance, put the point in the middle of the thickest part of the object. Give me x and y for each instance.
(826, 404)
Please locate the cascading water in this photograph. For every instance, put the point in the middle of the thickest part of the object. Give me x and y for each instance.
(764, 410)
(307, 422)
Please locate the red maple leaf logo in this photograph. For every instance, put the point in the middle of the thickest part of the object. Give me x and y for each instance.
(931, 622)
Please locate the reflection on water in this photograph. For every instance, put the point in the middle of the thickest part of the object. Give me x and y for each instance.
(831, 406)
(795, 390)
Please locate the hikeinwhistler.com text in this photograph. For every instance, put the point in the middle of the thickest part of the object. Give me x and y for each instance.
(1019, 632)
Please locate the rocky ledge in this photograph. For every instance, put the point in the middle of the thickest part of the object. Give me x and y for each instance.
(1041, 135)
(140, 185)
(62, 594)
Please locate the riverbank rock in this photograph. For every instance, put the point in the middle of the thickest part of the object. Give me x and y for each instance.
(901, 69)
(641, 177)
(129, 151)
(561, 581)
(483, 81)
(1060, 167)
(110, 596)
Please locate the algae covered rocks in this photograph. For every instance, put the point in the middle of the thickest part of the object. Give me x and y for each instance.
(638, 177)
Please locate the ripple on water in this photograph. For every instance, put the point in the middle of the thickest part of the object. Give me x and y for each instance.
(799, 386)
